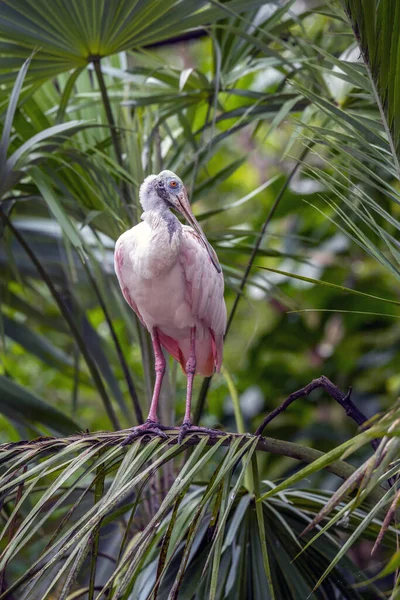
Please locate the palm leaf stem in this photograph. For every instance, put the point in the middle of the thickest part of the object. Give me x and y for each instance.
(113, 129)
(207, 380)
(69, 319)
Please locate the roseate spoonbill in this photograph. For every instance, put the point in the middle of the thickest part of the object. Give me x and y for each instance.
(170, 276)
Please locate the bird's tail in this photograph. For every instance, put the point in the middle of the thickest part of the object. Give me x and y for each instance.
(208, 352)
(172, 346)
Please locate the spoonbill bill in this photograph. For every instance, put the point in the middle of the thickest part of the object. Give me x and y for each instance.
(170, 276)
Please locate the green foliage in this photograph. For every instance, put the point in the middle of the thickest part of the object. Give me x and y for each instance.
(376, 26)
(195, 535)
(288, 144)
(71, 34)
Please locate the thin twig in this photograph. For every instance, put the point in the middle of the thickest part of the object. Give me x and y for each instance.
(113, 130)
(75, 388)
(261, 236)
(322, 382)
(121, 357)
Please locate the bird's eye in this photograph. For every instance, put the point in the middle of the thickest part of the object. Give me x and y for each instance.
(173, 184)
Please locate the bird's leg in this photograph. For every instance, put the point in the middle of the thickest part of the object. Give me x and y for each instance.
(190, 371)
(160, 372)
(152, 424)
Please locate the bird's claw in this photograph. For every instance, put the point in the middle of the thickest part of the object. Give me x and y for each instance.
(148, 428)
(187, 427)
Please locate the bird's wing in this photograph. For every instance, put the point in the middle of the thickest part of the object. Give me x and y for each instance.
(120, 255)
(205, 288)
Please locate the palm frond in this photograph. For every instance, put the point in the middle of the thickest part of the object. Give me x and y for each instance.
(81, 490)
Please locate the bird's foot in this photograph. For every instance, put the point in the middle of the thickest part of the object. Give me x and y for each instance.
(187, 427)
(147, 428)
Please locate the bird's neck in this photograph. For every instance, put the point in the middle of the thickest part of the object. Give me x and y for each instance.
(161, 251)
(163, 221)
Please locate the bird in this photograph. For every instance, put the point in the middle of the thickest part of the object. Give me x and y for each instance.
(170, 276)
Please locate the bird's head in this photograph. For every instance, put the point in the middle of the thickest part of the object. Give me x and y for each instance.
(166, 190)
(161, 191)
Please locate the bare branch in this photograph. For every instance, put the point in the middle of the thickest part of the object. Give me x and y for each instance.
(322, 382)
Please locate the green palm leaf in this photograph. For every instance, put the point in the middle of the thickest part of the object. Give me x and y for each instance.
(376, 25)
(71, 34)
(204, 540)
(22, 406)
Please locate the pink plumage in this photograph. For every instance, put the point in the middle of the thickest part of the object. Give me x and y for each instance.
(170, 276)
(195, 292)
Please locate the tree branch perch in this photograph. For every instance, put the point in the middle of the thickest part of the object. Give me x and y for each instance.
(115, 438)
(322, 382)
